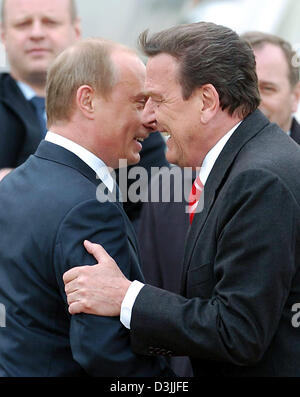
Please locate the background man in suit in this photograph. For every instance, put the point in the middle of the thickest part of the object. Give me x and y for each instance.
(95, 98)
(34, 33)
(241, 273)
(278, 80)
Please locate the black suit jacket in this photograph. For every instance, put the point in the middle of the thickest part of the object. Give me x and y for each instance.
(20, 131)
(48, 207)
(295, 131)
(152, 155)
(163, 227)
(241, 273)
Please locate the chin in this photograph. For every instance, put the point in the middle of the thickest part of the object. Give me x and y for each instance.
(134, 162)
(172, 159)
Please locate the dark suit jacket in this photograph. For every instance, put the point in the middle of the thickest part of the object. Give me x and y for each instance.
(20, 131)
(163, 227)
(48, 207)
(152, 155)
(295, 131)
(241, 266)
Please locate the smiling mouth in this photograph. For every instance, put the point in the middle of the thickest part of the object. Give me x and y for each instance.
(141, 140)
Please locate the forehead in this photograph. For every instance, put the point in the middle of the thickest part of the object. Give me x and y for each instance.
(271, 62)
(15, 9)
(130, 71)
(161, 73)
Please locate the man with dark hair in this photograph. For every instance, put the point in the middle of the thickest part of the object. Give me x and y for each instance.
(277, 70)
(241, 271)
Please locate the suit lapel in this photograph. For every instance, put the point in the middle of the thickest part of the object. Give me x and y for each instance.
(295, 131)
(16, 101)
(250, 127)
(58, 154)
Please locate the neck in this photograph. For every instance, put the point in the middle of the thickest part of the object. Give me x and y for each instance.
(288, 126)
(37, 82)
(75, 133)
(218, 128)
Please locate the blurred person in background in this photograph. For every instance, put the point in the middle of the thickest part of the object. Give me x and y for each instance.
(277, 70)
(34, 32)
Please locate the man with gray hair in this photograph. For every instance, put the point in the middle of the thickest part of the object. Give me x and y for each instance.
(52, 202)
(241, 268)
(277, 70)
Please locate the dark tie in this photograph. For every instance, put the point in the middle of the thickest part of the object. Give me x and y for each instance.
(39, 106)
(194, 197)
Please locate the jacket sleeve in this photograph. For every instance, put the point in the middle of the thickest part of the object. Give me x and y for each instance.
(256, 234)
(101, 345)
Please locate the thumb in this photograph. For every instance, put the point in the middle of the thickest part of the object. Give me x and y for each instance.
(94, 249)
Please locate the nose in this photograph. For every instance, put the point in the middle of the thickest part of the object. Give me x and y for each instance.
(37, 30)
(149, 117)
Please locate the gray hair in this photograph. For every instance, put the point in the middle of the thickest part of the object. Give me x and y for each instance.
(210, 54)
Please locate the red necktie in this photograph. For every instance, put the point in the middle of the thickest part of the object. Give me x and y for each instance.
(194, 197)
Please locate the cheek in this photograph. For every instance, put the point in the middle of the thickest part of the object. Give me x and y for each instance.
(270, 102)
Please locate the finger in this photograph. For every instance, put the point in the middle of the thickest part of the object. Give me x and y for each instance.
(73, 297)
(75, 308)
(71, 274)
(71, 286)
(96, 250)
(79, 306)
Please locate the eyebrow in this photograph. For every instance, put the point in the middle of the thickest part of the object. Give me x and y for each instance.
(153, 94)
(265, 82)
(140, 97)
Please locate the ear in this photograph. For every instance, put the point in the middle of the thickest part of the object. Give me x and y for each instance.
(210, 102)
(77, 28)
(2, 33)
(296, 97)
(85, 101)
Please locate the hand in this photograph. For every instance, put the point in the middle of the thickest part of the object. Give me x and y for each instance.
(98, 289)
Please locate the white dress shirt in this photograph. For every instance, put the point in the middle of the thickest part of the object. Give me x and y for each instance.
(94, 162)
(207, 165)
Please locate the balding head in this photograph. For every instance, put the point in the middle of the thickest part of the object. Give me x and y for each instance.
(34, 33)
(89, 62)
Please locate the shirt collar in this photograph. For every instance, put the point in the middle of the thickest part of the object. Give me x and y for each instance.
(26, 90)
(94, 162)
(213, 154)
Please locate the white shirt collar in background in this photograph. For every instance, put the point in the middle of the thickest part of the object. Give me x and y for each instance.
(26, 90)
(28, 93)
(86, 156)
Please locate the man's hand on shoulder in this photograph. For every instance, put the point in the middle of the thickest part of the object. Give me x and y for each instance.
(98, 289)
